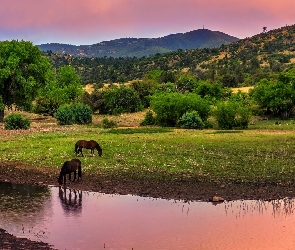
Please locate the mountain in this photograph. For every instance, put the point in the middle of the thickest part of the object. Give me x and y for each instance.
(240, 63)
(139, 47)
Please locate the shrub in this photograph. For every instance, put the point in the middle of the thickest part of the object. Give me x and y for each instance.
(170, 107)
(45, 106)
(232, 114)
(191, 120)
(82, 113)
(149, 119)
(16, 121)
(65, 115)
(121, 99)
(108, 123)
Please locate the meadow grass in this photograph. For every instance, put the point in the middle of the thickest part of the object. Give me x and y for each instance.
(164, 153)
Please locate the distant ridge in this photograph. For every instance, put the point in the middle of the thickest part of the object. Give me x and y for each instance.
(139, 47)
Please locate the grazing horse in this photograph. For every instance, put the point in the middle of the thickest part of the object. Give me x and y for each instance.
(88, 145)
(67, 168)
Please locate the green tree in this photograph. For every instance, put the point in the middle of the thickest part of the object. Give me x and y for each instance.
(23, 71)
(121, 99)
(277, 96)
(64, 89)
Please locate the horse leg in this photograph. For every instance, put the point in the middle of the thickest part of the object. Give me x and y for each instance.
(75, 175)
(70, 176)
(80, 150)
(65, 179)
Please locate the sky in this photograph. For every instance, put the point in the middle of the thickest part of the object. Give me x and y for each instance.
(85, 22)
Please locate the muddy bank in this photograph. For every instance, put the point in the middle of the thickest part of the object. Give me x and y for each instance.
(190, 190)
(8, 241)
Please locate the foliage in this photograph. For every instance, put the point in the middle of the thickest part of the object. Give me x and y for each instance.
(209, 91)
(149, 119)
(82, 113)
(191, 120)
(169, 107)
(232, 114)
(95, 101)
(76, 113)
(121, 100)
(65, 89)
(64, 115)
(145, 89)
(45, 106)
(277, 96)
(185, 83)
(23, 72)
(108, 123)
(16, 121)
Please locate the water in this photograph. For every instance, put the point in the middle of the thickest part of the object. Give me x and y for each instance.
(87, 220)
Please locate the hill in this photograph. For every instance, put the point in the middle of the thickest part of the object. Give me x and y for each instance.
(139, 47)
(240, 63)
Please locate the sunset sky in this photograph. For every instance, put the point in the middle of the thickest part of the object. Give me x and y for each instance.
(83, 22)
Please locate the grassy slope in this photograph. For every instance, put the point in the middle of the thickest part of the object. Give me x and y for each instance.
(265, 153)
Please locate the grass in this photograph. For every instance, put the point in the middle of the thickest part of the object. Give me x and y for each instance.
(260, 154)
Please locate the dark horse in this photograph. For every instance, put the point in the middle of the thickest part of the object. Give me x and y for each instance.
(88, 145)
(67, 168)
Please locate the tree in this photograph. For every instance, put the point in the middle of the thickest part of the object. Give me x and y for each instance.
(64, 89)
(276, 96)
(23, 71)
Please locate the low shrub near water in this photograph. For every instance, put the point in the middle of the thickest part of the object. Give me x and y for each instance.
(16, 121)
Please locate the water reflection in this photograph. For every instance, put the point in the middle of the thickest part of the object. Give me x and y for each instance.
(71, 200)
(126, 222)
(22, 207)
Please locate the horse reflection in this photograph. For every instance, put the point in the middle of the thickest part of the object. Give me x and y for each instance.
(71, 201)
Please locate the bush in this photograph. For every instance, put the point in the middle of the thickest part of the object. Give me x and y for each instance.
(107, 123)
(16, 121)
(191, 120)
(45, 106)
(149, 119)
(170, 107)
(232, 114)
(65, 115)
(121, 99)
(82, 113)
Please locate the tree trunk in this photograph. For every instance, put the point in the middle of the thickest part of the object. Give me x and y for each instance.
(2, 115)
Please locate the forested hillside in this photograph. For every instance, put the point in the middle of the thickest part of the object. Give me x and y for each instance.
(240, 63)
(139, 47)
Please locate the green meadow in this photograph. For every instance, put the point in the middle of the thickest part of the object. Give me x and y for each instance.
(263, 153)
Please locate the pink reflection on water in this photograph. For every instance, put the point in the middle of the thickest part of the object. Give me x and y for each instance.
(100, 221)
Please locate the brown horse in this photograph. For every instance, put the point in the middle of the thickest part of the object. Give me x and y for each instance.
(67, 168)
(88, 145)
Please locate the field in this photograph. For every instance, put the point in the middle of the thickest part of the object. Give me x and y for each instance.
(158, 162)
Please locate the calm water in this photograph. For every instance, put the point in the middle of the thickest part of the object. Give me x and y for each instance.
(87, 220)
